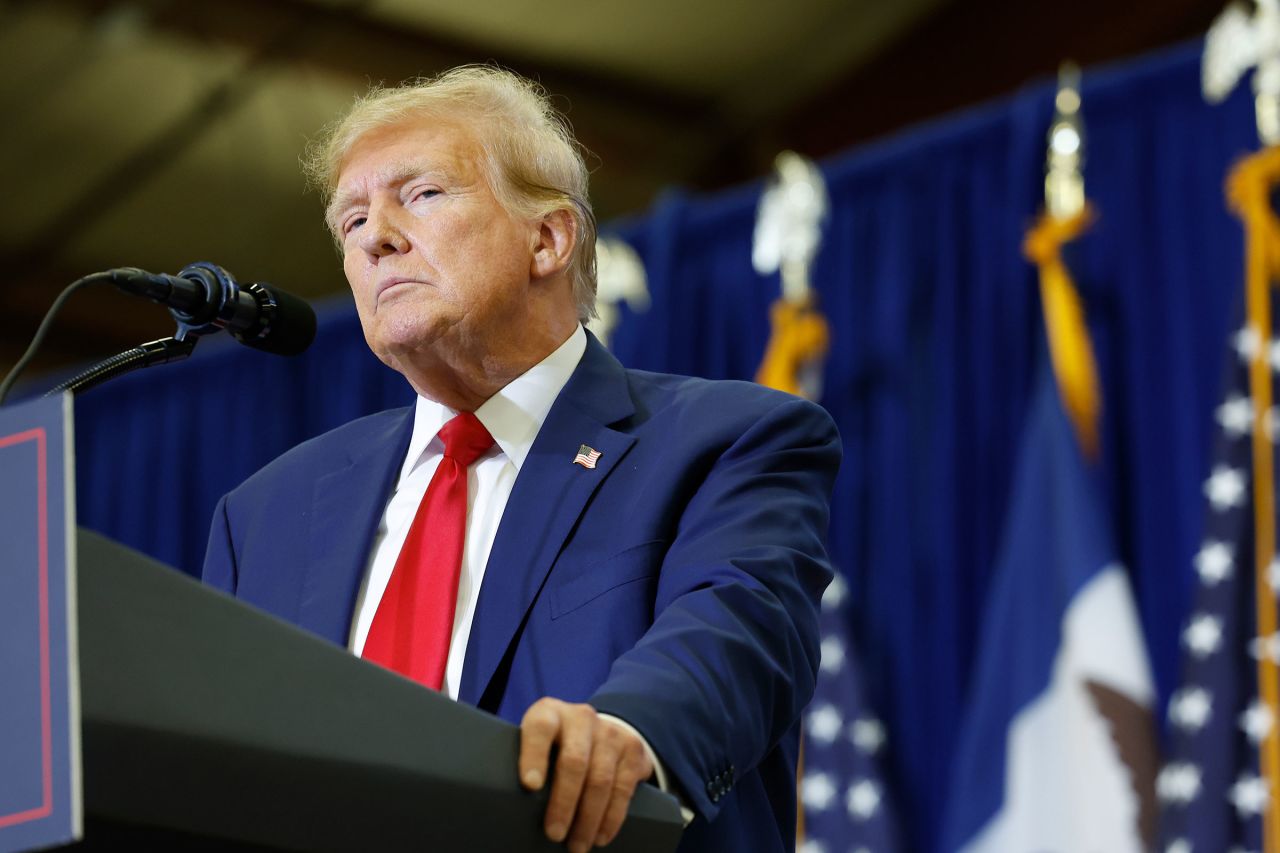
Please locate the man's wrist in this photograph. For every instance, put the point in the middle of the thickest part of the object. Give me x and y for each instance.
(659, 772)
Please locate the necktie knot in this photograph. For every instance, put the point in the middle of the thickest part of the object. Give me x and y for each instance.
(465, 439)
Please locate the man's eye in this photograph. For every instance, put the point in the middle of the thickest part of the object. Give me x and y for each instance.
(352, 224)
(426, 194)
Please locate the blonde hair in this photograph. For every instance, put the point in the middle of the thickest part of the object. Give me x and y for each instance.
(531, 161)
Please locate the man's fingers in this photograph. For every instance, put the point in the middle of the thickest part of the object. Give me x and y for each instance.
(634, 767)
(598, 766)
(538, 730)
(598, 789)
(577, 728)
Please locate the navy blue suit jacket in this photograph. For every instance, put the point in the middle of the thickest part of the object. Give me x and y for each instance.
(675, 585)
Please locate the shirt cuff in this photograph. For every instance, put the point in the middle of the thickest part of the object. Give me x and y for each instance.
(659, 772)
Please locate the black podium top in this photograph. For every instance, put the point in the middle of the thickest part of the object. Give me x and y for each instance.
(210, 723)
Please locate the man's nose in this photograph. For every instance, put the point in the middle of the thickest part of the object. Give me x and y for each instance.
(382, 235)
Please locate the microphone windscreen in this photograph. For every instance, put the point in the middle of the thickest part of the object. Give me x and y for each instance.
(292, 329)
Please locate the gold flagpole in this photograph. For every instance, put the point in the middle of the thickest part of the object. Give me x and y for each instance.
(1067, 215)
(1241, 39)
(1249, 196)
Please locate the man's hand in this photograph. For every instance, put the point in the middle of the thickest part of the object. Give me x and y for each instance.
(596, 772)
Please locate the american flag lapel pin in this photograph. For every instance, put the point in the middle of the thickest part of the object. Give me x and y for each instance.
(587, 456)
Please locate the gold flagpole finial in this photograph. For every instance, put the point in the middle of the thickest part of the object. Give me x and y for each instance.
(1239, 39)
(788, 233)
(1064, 167)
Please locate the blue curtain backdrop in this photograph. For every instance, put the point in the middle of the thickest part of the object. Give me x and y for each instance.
(935, 321)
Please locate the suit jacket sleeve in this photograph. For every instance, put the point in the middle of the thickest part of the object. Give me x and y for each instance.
(732, 654)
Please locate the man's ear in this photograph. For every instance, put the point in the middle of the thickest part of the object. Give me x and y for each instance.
(557, 235)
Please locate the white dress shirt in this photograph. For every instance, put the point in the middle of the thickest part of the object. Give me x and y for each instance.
(513, 417)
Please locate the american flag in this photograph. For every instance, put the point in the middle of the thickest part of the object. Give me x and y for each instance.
(1213, 791)
(587, 456)
(842, 793)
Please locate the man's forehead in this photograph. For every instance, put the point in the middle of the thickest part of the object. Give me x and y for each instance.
(391, 173)
(394, 154)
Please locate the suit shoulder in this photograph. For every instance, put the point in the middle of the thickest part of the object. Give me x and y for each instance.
(726, 399)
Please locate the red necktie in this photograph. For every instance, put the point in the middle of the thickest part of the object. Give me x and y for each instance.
(414, 621)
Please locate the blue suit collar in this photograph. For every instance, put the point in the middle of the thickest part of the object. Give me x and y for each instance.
(549, 496)
(346, 506)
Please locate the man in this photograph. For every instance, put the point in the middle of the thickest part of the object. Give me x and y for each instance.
(626, 563)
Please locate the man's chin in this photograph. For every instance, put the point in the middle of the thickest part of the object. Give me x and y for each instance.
(406, 348)
(404, 333)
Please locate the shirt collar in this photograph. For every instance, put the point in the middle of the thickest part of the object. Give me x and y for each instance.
(513, 416)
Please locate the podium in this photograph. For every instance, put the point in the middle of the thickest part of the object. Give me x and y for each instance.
(208, 725)
(204, 724)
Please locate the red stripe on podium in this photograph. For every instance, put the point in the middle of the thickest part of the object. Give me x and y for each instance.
(42, 533)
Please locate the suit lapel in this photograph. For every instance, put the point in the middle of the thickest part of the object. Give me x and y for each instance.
(549, 495)
(346, 507)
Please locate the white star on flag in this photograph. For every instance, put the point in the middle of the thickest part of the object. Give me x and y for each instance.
(1266, 647)
(1203, 635)
(824, 724)
(1178, 845)
(1246, 344)
(817, 791)
(863, 799)
(867, 734)
(1250, 795)
(1225, 488)
(1273, 355)
(1273, 574)
(832, 655)
(1189, 708)
(812, 846)
(1257, 721)
(1214, 562)
(1235, 415)
(1178, 783)
(835, 593)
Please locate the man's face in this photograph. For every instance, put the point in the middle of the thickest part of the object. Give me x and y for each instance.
(436, 264)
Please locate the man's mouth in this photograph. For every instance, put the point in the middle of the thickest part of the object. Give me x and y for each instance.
(389, 284)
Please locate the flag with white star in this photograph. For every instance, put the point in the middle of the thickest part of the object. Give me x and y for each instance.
(1056, 750)
(1212, 789)
(842, 793)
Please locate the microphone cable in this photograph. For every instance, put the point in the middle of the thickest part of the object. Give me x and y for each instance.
(43, 331)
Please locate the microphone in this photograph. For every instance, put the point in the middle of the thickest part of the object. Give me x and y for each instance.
(205, 298)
